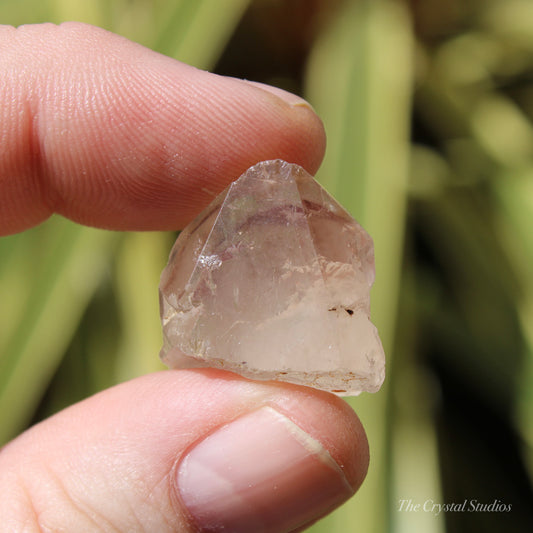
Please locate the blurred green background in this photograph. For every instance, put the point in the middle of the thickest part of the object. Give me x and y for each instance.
(428, 107)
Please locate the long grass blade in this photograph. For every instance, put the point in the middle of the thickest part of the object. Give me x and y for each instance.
(359, 81)
(515, 199)
(69, 262)
(197, 30)
(140, 260)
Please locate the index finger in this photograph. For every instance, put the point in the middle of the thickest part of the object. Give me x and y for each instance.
(110, 134)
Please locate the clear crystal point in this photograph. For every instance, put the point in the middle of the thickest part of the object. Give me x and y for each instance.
(272, 281)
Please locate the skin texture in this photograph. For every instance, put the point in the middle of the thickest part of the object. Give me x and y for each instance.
(110, 134)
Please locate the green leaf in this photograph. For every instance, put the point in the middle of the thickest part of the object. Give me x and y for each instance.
(196, 31)
(67, 264)
(359, 81)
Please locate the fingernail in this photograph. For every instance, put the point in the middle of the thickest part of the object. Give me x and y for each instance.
(260, 473)
(290, 98)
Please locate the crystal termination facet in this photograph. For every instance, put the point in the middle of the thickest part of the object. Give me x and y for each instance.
(272, 281)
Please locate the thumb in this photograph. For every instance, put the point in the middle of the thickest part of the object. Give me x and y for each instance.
(185, 451)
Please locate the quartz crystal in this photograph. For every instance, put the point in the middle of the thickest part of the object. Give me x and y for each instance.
(272, 281)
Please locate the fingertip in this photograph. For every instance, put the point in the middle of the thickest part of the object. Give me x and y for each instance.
(278, 467)
(172, 444)
(306, 120)
(111, 134)
(330, 420)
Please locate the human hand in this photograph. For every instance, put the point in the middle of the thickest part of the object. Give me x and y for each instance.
(110, 134)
